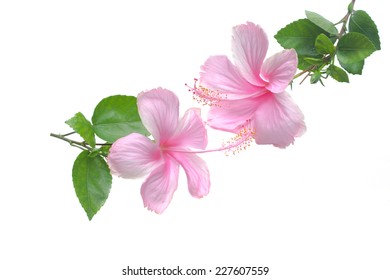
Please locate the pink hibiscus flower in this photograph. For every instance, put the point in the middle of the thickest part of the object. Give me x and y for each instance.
(251, 93)
(135, 155)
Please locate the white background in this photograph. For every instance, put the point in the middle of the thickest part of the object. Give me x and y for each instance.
(319, 209)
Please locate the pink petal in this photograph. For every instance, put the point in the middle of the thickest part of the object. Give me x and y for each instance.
(249, 46)
(133, 156)
(232, 115)
(279, 69)
(220, 75)
(278, 120)
(191, 132)
(158, 189)
(198, 176)
(159, 112)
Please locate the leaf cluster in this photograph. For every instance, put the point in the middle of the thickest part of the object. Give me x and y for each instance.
(114, 117)
(320, 45)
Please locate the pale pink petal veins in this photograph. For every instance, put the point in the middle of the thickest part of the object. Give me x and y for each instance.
(279, 69)
(133, 156)
(159, 112)
(220, 75)
(198, 176)
(232, 115)
(249, 46)
(278, 120)
(191, 131)
(158, 189)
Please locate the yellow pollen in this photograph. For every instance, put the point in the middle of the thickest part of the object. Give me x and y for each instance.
(239, 142)
(206, 96)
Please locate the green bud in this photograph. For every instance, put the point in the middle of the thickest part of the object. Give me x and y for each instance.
(315, 77)
(350, 7)
(314, 61)
(94, 152)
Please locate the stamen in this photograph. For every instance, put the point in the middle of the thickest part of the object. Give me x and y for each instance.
(239, 142)
(206, 96)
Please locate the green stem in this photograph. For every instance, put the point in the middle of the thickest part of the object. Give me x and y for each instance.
(81, 145)
(309, 69)
(70, 133)
(345, 19)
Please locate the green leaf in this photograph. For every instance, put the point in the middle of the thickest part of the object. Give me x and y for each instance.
(83, 127)
(362, 23)
(301, 36)
(338, 74)
(92, 182)
(324, 45)
(354, 47)
(354, 68)
(117, 116)
(322, 22)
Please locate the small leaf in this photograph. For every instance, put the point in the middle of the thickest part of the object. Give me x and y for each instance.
(354, 68)
(92, 182)
(362, 23)
(324, 45)
(117, 116)
(354, 47)
(338, 74)
(321, 22)
(83, 127)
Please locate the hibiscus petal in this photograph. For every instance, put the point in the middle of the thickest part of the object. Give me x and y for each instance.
(158, 189)
(190, 132)
(133, 156)
(232, 115)
(278, 120)
(249, 46)
(159, 112)
(279, 69)
(198, 176)
(220, 75)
